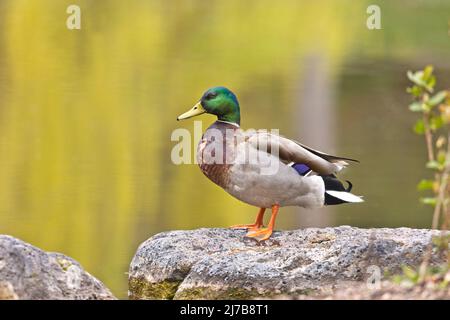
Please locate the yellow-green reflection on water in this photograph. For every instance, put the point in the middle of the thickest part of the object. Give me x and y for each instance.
(86, 116)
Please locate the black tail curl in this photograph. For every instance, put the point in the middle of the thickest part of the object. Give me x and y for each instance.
(333, 183)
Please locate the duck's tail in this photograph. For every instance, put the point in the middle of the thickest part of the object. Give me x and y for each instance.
(336, 193)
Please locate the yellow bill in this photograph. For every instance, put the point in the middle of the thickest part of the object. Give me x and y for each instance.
(195, 111)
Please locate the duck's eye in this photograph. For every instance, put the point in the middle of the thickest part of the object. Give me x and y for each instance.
(211, 95)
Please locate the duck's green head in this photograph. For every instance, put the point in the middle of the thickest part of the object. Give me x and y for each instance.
(219, 101)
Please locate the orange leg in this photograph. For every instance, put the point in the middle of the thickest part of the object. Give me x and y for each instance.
(253, 226)
(266, 232)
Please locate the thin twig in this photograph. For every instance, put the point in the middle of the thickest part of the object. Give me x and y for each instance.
(428, 136)
(430, 150)
(442, 188)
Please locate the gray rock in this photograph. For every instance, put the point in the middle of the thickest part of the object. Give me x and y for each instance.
(27, 272)
(224, 264)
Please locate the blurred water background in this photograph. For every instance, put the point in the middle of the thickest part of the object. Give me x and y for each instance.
(86, 115)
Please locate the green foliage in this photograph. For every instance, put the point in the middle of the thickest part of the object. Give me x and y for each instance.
(429, 200)
(437, 277)
(425, 184)
(442, 242)
(435, 165)
(417, 107)
(434, 111)
(434, 119)
(437, 98)
(423, 80)
(410, 274)
(419, 127)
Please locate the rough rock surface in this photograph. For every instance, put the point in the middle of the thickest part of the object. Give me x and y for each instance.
(27, 272)
(387, 291)
(224, 264)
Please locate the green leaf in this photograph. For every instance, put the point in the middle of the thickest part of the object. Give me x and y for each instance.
(410, 273)
(429, 78)
(431, 83)
(436, 122)
(441, 157)
(416, 91)
(434, 165)
(397, 279)
(416, 78)
(429, 200)
(425, 184)
(419, 127)
(416, 107)
(424, 79)
(427, 72)
(437, 98)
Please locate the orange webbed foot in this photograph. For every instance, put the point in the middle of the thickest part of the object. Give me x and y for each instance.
(265, 233)
(252, 226)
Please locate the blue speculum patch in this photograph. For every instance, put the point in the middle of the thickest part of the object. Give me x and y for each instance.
(301, 168)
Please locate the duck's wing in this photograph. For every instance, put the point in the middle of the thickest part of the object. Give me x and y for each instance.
(290, 151)
(324, 155)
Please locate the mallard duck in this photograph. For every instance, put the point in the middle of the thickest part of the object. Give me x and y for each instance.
(303, 176)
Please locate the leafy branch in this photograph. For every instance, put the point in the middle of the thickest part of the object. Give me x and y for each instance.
(434, 124)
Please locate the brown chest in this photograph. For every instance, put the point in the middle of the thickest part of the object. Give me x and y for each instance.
(216, 152)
